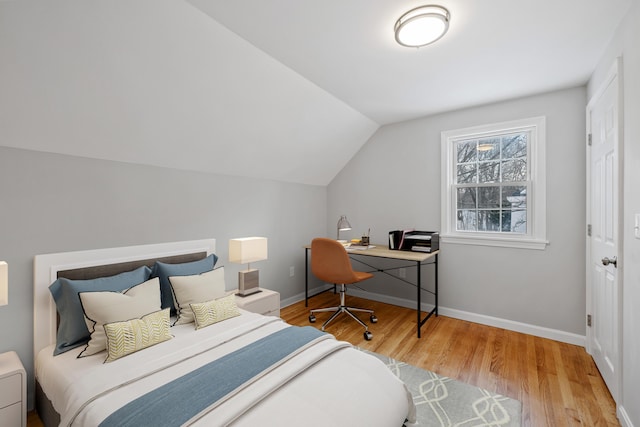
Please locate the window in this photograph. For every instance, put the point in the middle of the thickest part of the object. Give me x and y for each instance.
(493, 181)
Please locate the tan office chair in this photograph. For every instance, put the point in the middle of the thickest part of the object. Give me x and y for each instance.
(330, 263)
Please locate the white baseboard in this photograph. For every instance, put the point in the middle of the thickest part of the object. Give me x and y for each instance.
(300, 297)
(482, 319)
(525, 328)
(623, 417)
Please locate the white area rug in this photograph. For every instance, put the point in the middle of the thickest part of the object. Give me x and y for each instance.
(442, 401)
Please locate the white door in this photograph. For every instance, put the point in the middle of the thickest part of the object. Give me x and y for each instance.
(603, 258)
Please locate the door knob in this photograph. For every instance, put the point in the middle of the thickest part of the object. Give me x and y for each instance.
(607, 261)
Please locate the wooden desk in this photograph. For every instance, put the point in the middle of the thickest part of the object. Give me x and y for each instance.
(417, 259)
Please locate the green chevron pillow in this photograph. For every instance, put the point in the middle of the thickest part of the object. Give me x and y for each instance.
(124, 338)
(217, 310)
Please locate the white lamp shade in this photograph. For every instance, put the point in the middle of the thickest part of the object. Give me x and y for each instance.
(4, 283)
(246, 250)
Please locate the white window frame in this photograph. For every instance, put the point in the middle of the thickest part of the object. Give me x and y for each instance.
(535, 238)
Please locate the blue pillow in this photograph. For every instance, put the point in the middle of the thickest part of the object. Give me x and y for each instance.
(72, 330)
(163, 271)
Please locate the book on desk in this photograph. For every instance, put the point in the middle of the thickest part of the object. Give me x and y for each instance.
(414, 240)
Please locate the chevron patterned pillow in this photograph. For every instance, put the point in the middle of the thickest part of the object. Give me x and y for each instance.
(127, 337)
(217, 310)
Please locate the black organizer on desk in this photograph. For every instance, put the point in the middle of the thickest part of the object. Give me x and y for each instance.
(417, 241)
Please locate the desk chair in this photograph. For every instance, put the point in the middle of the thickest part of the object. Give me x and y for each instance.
(330, 263)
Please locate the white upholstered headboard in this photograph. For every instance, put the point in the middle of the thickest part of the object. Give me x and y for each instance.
(46, 268)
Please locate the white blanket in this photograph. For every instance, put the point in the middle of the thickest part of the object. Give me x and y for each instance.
(345, 388)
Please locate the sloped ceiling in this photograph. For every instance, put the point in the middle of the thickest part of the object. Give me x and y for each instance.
(158, 82)
(277, 89)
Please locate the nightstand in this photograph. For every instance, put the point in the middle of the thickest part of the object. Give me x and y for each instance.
(265, 302)
(13, 391)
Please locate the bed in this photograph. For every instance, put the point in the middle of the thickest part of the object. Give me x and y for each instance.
(245, 370)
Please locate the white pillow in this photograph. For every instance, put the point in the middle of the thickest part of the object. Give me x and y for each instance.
(109, 307)
(195, 289)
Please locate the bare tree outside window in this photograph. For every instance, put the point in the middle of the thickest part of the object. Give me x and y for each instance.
(491, 184)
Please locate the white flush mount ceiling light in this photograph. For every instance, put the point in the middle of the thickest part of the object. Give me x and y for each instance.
(422, 26)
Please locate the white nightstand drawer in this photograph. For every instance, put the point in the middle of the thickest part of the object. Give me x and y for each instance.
(264, 302)
(10, 390)
(12, 415)
(13, 391)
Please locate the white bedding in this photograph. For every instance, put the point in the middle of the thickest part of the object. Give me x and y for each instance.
(345, 388)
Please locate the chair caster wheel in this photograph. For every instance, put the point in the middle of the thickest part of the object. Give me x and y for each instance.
(312, 318)
(373, 318)
(368, 335)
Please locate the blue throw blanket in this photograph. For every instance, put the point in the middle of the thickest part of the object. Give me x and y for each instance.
(183, 398)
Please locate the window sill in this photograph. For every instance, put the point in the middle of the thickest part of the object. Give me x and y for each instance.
(495, 241)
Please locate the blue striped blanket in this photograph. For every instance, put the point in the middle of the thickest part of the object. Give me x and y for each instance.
(184, 398)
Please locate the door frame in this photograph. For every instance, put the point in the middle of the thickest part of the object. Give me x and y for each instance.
(615, 71)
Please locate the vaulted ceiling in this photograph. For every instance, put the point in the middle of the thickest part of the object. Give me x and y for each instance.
(494, 49)
(278, 89)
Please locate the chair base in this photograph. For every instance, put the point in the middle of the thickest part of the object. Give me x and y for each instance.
(343, 308)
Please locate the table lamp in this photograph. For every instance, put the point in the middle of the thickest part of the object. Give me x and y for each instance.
(343, 225)
(4, 283)
(246, 250)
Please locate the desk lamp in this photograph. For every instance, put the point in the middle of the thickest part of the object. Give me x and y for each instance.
(4, 283)
(343, 225)
(246, 250)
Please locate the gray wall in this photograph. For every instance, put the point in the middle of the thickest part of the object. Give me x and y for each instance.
(625, 44)
(394, 182)
(55, 203)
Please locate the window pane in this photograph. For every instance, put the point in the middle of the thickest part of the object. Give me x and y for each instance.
(488, 197)
(467, 220)
(514, 146)
(466, 151)
(466, 198)
(514, 197)
(489, 149)
(490, 184)
(514, 221)
(466, 173)
(514, 170)
(489, 172)
(489, 220)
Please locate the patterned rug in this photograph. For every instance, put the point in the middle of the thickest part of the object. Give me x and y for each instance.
(442, 401)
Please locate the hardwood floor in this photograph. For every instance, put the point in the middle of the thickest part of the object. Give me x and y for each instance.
(558, 384)
(33, 420)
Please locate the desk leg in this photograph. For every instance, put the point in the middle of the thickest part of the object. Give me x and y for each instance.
(435, 294)
(419, 279)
